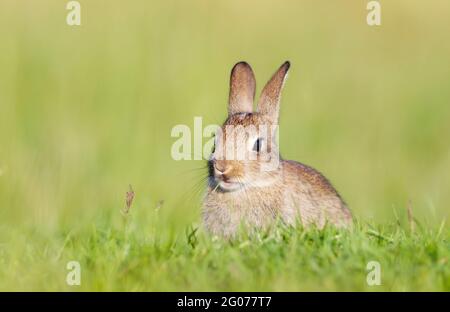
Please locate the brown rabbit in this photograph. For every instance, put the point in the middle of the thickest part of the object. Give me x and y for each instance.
(260, 187)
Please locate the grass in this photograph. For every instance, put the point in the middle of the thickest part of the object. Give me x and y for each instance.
(127, 258)
(86, 111)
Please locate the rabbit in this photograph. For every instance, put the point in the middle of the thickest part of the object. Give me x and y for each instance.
(240, 192)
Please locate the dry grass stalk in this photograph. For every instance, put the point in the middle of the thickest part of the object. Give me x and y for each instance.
(412, 225)
(128, 201)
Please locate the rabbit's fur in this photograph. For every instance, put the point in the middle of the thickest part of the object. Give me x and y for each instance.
(260, 188)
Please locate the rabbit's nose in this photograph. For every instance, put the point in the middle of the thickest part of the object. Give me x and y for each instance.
(221, 168)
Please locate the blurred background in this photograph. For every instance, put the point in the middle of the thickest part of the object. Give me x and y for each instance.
(87, 110)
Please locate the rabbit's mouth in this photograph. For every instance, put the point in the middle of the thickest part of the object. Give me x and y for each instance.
(229, 186)
(225, 185)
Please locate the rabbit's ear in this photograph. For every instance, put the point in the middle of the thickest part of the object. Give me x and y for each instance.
(242, 89)
(269, 102)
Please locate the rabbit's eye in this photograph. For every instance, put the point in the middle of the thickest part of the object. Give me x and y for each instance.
(214, 145)
(257, 145)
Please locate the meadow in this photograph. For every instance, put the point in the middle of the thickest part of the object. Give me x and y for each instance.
(86, 111)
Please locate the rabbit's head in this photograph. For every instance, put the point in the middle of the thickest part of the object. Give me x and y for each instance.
(246, 151)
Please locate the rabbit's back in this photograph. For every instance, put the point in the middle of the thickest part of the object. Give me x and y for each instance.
(311, 197)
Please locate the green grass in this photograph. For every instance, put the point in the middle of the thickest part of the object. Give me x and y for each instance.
(86, 111)
(127, 258)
